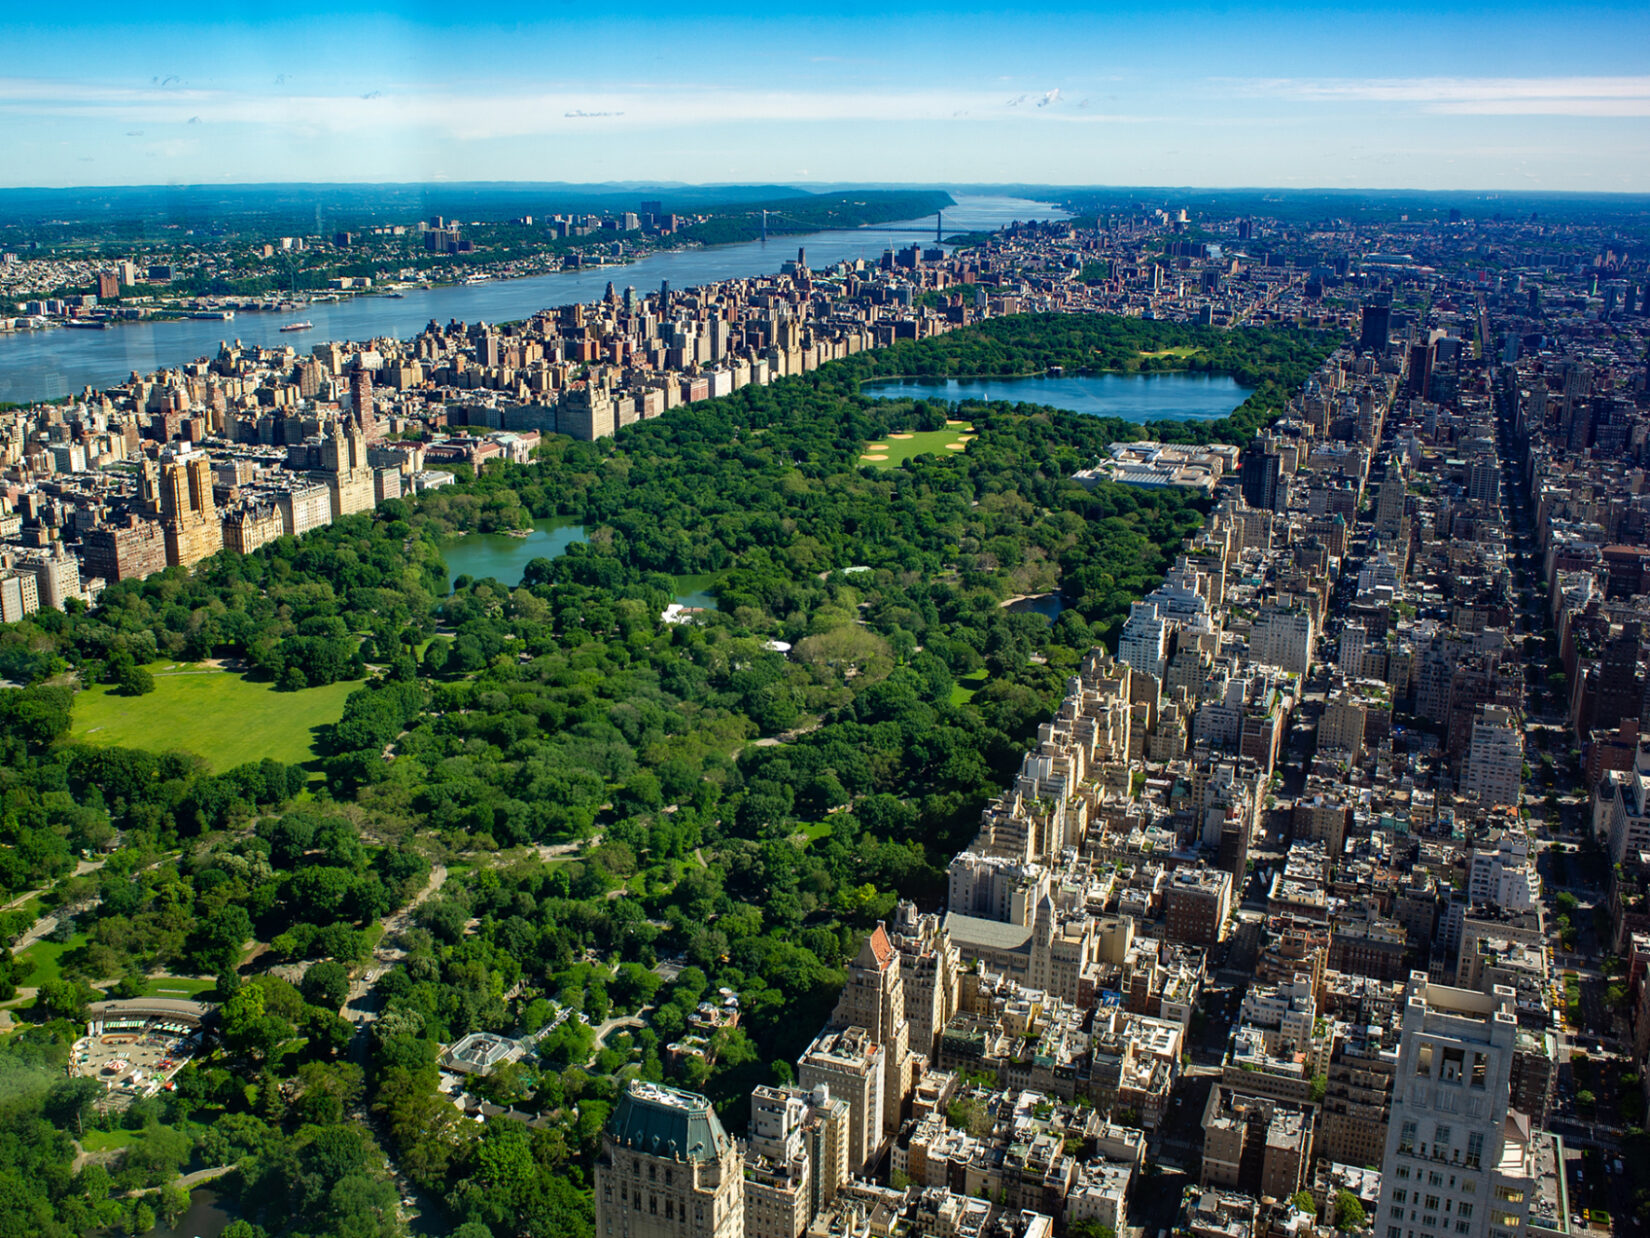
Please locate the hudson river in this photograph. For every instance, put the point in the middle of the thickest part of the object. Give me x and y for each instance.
(36, 365)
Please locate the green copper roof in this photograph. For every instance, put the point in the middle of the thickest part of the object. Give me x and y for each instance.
(661, 1121)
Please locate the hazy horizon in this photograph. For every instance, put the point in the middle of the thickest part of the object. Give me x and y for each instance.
(837, 186)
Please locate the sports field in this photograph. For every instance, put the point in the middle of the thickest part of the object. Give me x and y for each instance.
(220, 715)
(897, 448)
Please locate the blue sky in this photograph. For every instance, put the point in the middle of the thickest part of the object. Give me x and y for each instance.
(1520, 96)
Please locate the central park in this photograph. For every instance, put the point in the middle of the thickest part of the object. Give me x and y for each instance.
(591, 809)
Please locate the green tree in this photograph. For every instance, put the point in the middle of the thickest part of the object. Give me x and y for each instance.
(325, 984)
(69, 1102)
(1304, 1201)
(134, 680)
(1349, 1212)
(63, 999)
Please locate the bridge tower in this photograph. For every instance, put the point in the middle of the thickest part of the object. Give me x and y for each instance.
(939, 226)
(764, 225)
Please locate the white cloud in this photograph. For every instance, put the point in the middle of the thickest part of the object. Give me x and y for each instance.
(1464, 96)
(516, 114)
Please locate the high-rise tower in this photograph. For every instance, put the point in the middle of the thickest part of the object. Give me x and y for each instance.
(874, 999)
(1458, 1159)
(667, 1169)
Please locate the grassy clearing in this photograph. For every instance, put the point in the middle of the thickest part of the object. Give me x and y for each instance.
(901, 448)
(47, 957)
(224, 717)
(1182, 351)
(104, 1141)
(182, 987)
(962, 692)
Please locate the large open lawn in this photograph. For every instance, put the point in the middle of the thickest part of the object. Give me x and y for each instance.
(47, 957)
(222, 716)
(898, 448)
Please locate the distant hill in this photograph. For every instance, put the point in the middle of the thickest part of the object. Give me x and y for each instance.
(302, 207)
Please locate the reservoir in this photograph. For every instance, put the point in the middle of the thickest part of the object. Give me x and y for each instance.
(48, 364)
(1133, 397)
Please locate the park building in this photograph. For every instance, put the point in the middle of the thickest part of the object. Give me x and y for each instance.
(667, 1169)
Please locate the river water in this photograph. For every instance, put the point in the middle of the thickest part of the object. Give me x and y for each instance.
(36, 365)
(1133, 397)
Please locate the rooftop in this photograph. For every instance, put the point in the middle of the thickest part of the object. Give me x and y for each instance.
(664, 1121)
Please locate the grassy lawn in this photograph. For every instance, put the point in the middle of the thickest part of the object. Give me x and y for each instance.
(103, 1141)
(1182, 351)
(221, 716)
(182, 987)
(816, 830)
(962, 692)
(899, 449)
(47, 957)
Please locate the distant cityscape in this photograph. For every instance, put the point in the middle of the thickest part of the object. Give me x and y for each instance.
(1233, 926)
(1320, 904)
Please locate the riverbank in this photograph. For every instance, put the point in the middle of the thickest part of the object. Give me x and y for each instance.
(48, 365)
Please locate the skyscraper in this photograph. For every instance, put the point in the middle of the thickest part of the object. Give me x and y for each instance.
(1262, 476)
(1458, 1161)
(360, 396)
(1495, 761)
(667, 1169)
(178, 489)
(874, 998)
(1375, 325)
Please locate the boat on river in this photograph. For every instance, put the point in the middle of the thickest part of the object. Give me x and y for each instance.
(298, 326)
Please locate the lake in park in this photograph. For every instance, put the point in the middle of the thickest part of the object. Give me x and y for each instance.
(1133, 397)
(1048, 605)
(504, 558)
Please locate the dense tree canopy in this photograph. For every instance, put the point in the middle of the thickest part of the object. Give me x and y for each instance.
(633, 814)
